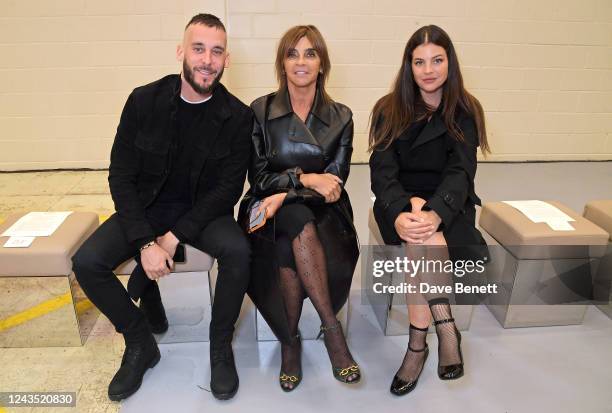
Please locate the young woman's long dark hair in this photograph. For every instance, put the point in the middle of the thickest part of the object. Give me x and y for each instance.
(394, 112)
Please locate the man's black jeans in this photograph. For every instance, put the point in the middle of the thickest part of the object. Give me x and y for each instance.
(107, 247)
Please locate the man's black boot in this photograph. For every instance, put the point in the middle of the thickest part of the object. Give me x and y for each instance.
(152, 307)
(223, 374)
(141, 353)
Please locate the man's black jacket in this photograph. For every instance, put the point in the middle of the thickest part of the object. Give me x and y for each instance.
(140, 158)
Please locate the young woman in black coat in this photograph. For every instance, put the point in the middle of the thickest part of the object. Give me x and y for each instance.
(424, 137)
(308, 246)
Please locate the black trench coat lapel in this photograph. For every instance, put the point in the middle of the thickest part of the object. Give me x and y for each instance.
(434, 128)
(319, 120)
(298, 130)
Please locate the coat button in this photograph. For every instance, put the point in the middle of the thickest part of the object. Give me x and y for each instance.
(274, 152)
(448, 199)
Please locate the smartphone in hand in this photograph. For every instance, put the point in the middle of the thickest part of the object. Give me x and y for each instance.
(257, 219)
(179, 254)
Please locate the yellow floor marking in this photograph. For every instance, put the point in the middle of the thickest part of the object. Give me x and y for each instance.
(42, 309)
(82, 306)
(36, 311)
(46, 306)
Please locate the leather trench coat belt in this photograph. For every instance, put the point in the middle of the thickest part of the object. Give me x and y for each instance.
(284, 146)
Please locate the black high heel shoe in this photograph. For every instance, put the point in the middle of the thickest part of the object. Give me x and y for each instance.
(289, 382)
(342, 373)
(401, 387)
(454, 371)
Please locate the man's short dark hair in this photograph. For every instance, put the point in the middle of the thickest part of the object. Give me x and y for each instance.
(206, 19)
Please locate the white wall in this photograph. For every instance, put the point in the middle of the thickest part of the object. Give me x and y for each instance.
(542, 69)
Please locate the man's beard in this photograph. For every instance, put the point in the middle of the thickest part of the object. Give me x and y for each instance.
(202, 90)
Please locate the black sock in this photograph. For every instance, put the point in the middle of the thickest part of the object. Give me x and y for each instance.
(415, 355)
(448, 340)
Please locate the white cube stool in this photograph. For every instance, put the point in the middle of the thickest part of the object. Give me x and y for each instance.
(41, 302)
(600, 213)
(186, 295)
(390, 309)
(537, 268)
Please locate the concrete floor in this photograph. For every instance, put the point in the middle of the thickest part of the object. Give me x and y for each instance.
(561, 369)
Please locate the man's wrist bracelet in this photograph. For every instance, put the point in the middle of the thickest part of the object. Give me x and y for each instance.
(147, 245)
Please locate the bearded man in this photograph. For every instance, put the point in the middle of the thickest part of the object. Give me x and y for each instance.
(178, 165)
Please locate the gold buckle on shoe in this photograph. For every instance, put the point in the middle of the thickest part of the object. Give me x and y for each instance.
(286, 377)
(351, 369)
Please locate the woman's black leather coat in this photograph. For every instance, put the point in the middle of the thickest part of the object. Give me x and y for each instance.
(282, 143)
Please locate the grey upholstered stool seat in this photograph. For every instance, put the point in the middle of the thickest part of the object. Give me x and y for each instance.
(186, 295)
(600, 213)
(41, 303)
(390, 309)
(537, 268)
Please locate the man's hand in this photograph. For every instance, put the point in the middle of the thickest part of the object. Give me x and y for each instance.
(271, 204)
(326, 184)
(155, 261)
(168, 242)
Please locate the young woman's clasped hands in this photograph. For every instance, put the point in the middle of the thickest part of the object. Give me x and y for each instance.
(417, 226)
